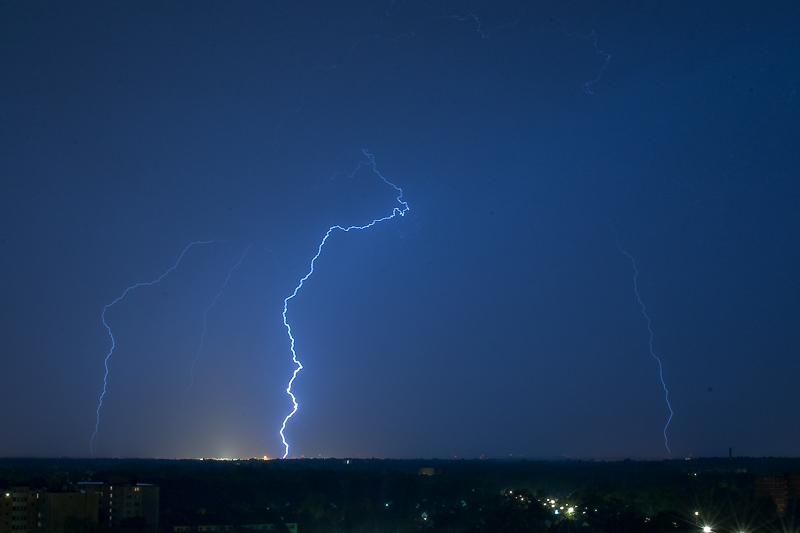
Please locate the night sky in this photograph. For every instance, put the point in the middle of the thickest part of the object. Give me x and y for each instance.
(540, 146)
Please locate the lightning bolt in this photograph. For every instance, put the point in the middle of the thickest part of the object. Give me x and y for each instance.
(203, 334)
(650, 342)
(93, 441)
(397, 211)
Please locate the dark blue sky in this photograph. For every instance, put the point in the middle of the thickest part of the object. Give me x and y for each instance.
(497, 318)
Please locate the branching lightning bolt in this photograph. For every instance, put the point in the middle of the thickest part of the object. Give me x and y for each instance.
(650, 342)
(93, 441)
(203, 334)
(397, 211)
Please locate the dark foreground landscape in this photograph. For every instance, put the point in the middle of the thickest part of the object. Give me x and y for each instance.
(356, 495)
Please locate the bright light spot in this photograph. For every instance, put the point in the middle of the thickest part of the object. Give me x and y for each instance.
(571, 510)
(706, 529)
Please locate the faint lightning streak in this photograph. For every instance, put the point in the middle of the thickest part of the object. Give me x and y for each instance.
(93, 440)
(591, 36)
(650, 342)
(203, 334)
(397, 211)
